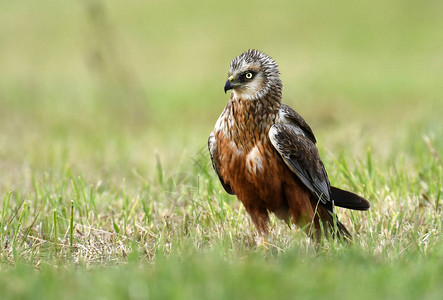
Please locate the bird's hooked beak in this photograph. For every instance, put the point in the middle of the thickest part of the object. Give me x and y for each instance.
(228, 84)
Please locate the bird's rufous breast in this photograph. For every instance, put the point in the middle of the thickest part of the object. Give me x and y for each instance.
(245, 151)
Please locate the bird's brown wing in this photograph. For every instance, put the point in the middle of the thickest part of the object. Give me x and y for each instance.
(300, 154)
(291, 116)
(212, 145)
(304, 134)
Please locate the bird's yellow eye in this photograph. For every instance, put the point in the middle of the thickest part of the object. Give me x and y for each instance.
(248, 75)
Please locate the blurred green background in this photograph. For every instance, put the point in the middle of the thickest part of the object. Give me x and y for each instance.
(104, 85)
(109, 104)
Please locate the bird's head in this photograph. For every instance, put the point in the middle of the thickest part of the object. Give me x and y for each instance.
(253, 75)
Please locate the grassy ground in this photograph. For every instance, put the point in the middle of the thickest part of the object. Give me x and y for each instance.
(106, 190)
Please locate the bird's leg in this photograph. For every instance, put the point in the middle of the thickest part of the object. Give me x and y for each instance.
(300, 208)
(260, 218)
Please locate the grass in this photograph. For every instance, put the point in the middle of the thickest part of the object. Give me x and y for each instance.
(106, 190)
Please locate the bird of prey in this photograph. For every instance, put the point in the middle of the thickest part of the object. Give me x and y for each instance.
(264, 153)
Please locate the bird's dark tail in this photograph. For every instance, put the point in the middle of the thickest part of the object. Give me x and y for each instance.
(349, 200)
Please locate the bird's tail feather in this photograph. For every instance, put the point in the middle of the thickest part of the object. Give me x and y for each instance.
(330, 225)
(348, 199)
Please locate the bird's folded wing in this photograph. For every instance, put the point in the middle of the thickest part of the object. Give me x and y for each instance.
(291, 116)
(300, 154)
(212, 145)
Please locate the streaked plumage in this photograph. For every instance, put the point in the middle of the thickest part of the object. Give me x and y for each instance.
(264, 152)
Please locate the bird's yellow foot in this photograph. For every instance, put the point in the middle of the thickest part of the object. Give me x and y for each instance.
(262, 243)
